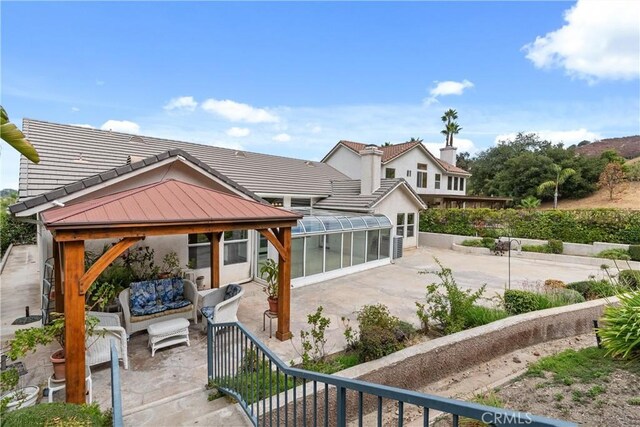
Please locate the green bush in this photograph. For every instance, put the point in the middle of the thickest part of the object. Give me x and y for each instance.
(489, 242)
(614, 254)
(376, 315)
(634, 252)
(376, 342)
(594, 289)
(485, 242)
(620, 334)
(474, 243)
(560, 297)
(12, 230)
(57, 414)
(543, 249)
(406, 329)
(478, 315)
(629, 278)
(575, 226)
(555, 246)
(518, 302)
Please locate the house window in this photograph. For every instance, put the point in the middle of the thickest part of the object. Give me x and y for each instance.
(410, 224)
(199, 251)
(437, 181)
(449, 183)
(389, 173)
(400, 225)
(422, 167)
(461, 184)
(235, 246)
(455, 184)
(421, 180)
(409, 172)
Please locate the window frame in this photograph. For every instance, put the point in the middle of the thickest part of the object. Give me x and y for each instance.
(422, 167)
(436, 181)
(461, 187)
(389, 171)
(455, 183)
(411, 224)
(400, 225)
(449, 182)
(206, 244)
(422, 178)
(228, 243)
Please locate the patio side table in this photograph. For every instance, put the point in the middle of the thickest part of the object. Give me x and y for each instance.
(271, 315)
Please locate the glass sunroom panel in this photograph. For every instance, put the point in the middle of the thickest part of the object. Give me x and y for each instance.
(370, 221)
(346, 249)
(385, 236)
(359, 247)
(297, 257)
(298, 229)
(383, 221)
(314, 259)
(312, 224)
(373, 242)
(333, 251)
(346, 224)
(330, 223)
(358, 222)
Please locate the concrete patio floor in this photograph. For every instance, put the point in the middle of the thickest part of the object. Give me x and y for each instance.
(181, 370)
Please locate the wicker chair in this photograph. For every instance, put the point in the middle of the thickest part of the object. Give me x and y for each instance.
(221, 305)
(99, 344)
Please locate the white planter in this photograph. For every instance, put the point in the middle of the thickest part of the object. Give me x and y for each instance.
(30, 393)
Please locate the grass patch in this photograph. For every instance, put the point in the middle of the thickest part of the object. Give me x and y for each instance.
(478, 315)
(634, 401)
(335, 364)
(622, 254)
(57, 414)
(489, 398)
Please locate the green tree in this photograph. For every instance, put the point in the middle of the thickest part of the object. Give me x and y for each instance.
(464, 160)
(451, 127)
(529, 202)
(15, 138)
(611, 178)
(415, 139)
(561, 176)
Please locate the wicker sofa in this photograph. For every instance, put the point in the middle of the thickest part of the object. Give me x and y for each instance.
(151, 301)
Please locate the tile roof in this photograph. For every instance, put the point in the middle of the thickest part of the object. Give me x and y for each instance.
(71, 153)
(390, 152)
(168, 201)
(120, 171)
(346, 194)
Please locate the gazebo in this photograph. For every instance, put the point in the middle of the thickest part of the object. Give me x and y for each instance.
(166, 207)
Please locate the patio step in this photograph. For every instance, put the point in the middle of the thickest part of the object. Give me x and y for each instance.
(191, 408)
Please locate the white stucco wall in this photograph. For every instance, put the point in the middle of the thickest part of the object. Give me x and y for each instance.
(346, 161)
(409, 162)
(400, 201)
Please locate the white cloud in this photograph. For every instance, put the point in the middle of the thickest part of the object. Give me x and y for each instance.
(238, 112)
(448, 87)
(75, 109)
(238, 132)
(184, 103)
(124, 126)
(601, 40)
(282, 137)
(82, 125)
(567, 137)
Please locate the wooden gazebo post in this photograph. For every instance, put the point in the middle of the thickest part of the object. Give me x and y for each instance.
(284, 285)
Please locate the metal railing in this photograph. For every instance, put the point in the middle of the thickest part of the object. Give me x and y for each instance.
(273, 393)
(116, 396)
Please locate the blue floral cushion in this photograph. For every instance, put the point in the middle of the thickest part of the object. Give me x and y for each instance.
(231, 291)
(142, 295)
(164, 290)
(207, 312)
(149, 309)
(177, 304)
(178, 289)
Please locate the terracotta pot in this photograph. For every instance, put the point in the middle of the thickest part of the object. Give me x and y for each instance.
(164, 275)
(273, 304)
(59, 365)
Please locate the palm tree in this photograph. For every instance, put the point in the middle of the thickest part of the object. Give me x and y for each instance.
(15, 138)
(529, 202)
(451, 127)
(415, 139)
(561, 177)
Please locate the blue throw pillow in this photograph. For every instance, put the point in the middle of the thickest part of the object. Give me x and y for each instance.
(231, 291)
(178, 289)
(165, 291)
(207, 312)
(142, 295)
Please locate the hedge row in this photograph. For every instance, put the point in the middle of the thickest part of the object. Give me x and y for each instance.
(575, 226)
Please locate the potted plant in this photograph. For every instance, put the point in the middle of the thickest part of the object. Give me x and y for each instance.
(170, 266)
(269, 272)
(14, 397)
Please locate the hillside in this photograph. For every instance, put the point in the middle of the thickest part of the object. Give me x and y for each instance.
(628, 199)
(628, 147)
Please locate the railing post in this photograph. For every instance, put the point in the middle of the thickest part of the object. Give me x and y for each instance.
(342, 406)
(116, 399)
(209, 348)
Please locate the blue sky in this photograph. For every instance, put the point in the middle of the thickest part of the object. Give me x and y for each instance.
(294, 78)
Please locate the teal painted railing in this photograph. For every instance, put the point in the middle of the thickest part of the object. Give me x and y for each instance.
(116, 396)
(275, 394)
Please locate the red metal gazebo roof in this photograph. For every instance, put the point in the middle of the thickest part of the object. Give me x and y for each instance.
(169, 201)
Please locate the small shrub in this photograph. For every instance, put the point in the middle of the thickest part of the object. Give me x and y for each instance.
(634, 252)
(376, 342)
(543, 249)
(555, 246)
(489, 242)
(314, 340)
(629, 278)
(594, 289)
(376, 315)
(405, 331)
(554, 284)
(474, 243)
(560, 297)
(57, 414)
(620, 334)
(478, 315)
(614, 254)
(518, 302)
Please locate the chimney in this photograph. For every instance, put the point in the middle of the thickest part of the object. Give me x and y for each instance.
(448, 154)
(371, 169)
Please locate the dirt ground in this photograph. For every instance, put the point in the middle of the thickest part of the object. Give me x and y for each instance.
(605, 404)
(629, 198)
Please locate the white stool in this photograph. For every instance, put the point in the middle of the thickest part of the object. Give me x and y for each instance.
(168, 332)
(57, 385)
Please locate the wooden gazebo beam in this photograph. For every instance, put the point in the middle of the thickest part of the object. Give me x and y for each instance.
(74, 321)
